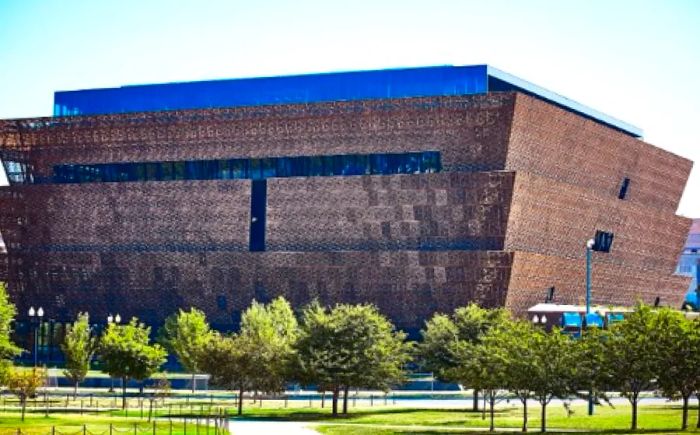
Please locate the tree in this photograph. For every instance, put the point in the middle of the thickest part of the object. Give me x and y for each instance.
(125, 353)
(468, 324)
(349, 346)
(553, 368)
(258, 358)
(78, 347)
(230, 362)
(678, 341)
(8, 350)
(24, 384)
(632, 356)
(514, 341)
(482, 366)
(185, 335)
(270, 331)
(592, 367)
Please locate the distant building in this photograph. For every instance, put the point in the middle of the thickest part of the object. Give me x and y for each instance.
(690, 261)
(419, 190)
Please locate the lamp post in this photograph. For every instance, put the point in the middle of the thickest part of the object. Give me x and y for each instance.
(589, 253)
(36, 314)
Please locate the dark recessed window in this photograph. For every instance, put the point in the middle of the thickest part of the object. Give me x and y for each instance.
(256, 169)
(623, 188)
(603, 241)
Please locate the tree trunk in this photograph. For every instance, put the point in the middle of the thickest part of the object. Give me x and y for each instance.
(543, 423)
(475, 401)
(193, 382)
(323, 398)
(336, 390)
(492, 402)
(698, 397)
(525, 415)
(240, 401)
(123, 393)
(684, 424)
(345, 400)
(634, 413)
(75, 390)
(24, 407)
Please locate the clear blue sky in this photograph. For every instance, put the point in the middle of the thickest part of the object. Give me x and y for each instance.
(636, 60)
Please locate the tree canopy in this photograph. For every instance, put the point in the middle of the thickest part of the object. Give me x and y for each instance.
(79, 346)
(185, 335)
(125, 352)
(350, 346)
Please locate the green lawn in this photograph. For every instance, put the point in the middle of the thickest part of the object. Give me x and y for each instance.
(652, 419)
(378, 420)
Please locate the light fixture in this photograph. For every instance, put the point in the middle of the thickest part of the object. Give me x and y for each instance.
(31, 313)
(535, 319)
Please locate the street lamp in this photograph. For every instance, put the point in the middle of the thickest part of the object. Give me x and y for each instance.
(36, 314)
(589, 253)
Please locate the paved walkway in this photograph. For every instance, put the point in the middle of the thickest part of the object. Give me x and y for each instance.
(258, 427)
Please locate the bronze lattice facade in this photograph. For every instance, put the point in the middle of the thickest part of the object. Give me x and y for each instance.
(521, 185)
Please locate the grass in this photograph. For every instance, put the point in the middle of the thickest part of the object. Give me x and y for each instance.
(35, 424)
(657, 419)
(377, 420)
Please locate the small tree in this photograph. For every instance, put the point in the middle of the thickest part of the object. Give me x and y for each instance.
(678, 341)
(79, 346)
(185, 335)
(125, 353)
(513, 340)
(270, 332)
(258, 358)
(8, 349)
(349, 346)
(592, 368)
(553, 369)
(230, 362)
(632, 356)
(24, 384)
(468, 324)
(482, 366)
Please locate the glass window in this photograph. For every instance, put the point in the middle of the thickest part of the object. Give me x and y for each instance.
(431, 161)
(152, 171)
(411, 164)
(166, 171)
(239, 168)
(379, 164)
(315, 165)
(269, 168)
(140, 171)
(223, 170)
(254, 169)
(284, 167)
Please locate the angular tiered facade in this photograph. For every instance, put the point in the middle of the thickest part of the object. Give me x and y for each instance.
(415, 204)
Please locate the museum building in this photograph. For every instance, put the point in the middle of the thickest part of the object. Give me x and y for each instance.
(418, 190)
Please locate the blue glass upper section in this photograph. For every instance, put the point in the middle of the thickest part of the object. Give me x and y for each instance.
(310, 88)
(313, 88)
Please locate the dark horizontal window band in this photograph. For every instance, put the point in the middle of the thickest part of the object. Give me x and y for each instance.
(252, 169)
